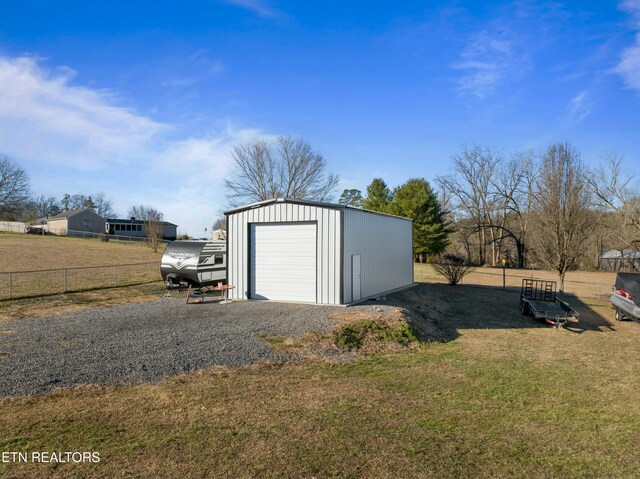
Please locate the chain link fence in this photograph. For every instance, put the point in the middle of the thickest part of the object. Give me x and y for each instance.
(109, 237)
(24, 284)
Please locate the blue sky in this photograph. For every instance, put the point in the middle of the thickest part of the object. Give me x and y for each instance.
(144, 100)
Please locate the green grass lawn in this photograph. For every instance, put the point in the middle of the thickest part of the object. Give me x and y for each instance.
(499, 396)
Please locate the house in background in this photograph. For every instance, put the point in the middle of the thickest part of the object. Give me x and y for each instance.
(136, 228)
(219, 235)
(69, 222)
(620, 260)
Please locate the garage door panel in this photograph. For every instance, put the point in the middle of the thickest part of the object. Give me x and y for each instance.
(283, 261)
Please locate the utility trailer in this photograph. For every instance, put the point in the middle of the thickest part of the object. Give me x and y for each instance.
(625, 297)
(538, 298)
(194, 263)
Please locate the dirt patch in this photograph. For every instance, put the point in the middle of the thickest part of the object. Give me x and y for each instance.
(373, 329)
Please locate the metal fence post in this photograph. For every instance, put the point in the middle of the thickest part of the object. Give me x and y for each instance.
(116, 276)
(10, 285)
(65, 280)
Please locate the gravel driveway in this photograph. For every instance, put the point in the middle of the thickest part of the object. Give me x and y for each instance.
(145, 342)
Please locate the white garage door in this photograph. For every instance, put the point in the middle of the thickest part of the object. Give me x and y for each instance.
(283, 262)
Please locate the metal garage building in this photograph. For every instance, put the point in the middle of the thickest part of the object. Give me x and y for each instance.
(296, 250)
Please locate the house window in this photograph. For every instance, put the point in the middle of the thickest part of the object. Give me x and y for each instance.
(219, 259)
(139, 228)
(87, 224)
(128, 227)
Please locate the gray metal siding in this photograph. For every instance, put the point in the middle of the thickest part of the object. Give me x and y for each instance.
(328, 245)
(384, 244)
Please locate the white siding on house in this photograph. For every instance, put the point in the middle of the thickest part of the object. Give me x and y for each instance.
(384, 244)
(327, 246)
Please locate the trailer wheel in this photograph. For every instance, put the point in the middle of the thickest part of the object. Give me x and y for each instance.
(524, 307)
(619, 316)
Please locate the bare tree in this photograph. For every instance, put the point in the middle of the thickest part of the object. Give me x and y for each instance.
(220, 223)
(75, 202)
(288, 168)
(451, 267)
(616, 195)
(46, 206)
(154, 230)
(469, 191)
(103, 206)
(14, 187)
(145, 213)
(563, 219)
(153, 224)
(512, 190)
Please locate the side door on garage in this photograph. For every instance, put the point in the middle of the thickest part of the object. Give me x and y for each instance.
(283, 261)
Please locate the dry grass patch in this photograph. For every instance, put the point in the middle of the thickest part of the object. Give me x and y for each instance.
(71, 302)
(595, 284)
(441, 411)
(72, 264)
(34, 252)
(500, 396)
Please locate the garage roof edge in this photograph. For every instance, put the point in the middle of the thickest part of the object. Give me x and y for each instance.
(319, 204)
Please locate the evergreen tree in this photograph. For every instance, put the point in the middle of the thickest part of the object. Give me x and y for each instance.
(351, 197)
(416, 200)
(88, 203)
(379, 196)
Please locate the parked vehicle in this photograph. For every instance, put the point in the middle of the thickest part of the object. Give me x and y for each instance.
(625, 297)
(195, 263)
(539, 299)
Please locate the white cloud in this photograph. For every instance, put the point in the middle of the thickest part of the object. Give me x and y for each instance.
(502, 49)
(260, 7)
(72, 139)
(209, 155)
(42, 113)
(629, 65)
(487, 60)
(579, 107)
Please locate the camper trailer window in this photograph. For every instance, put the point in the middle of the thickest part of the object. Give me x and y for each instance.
(218, 259)
(87, 224)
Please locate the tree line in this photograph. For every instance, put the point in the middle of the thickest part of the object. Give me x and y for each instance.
(19, 203)
(549, 210)
(524, 210)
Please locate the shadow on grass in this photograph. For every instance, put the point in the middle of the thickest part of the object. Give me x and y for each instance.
(451, 309)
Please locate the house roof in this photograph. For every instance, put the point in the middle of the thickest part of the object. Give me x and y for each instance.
(70, 213)
(320, 204)
(134, 222)
(617, 254)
